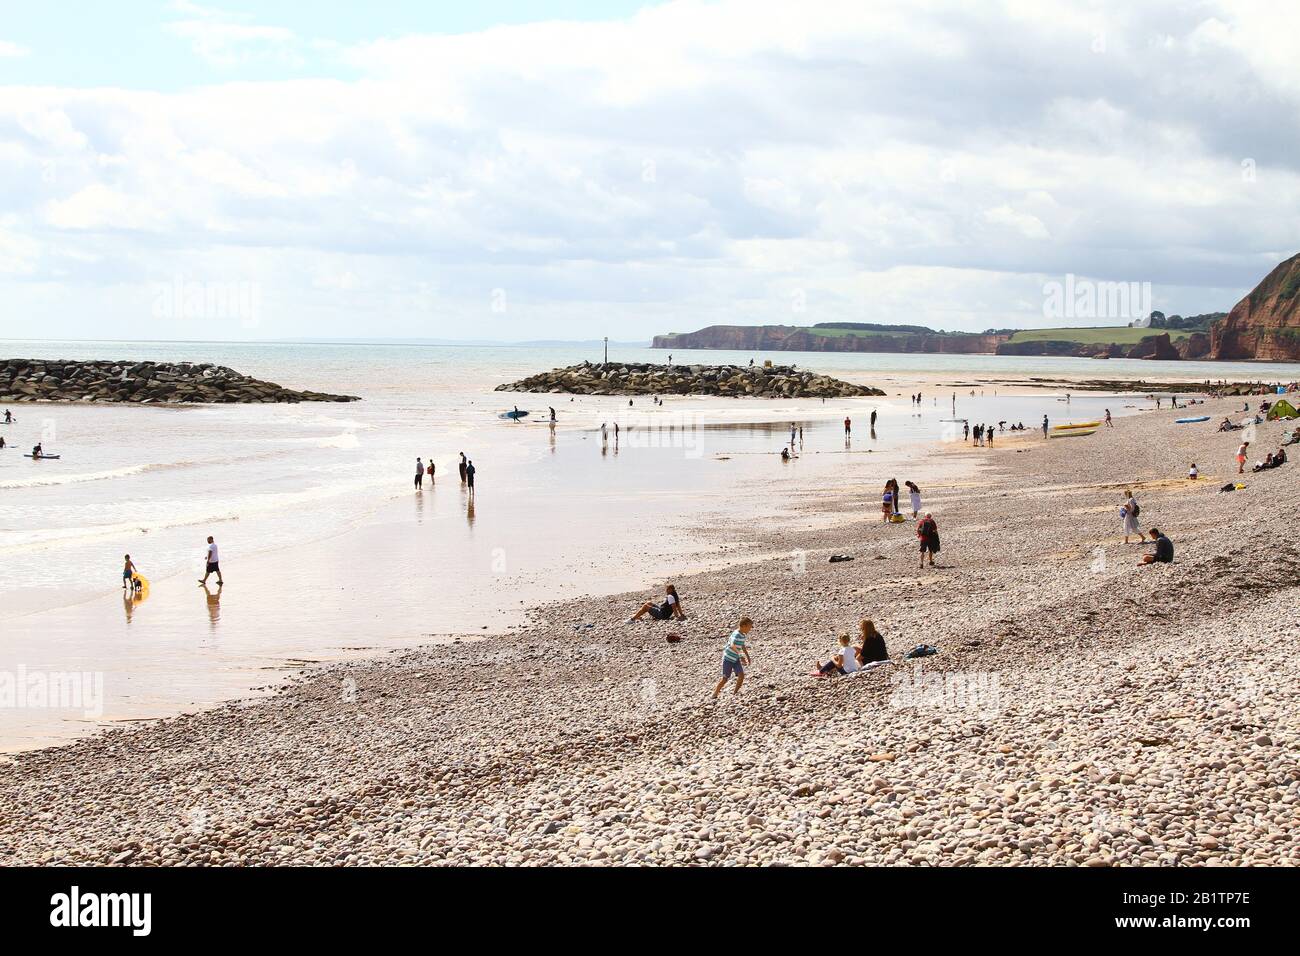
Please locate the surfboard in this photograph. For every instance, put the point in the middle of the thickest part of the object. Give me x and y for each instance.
(1189, 421)
(44, 457)
(515, 415)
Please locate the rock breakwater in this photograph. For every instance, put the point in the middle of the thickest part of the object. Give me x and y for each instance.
(142, 383)
(617, 378)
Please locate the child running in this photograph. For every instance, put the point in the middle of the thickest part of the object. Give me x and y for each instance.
(732, 655)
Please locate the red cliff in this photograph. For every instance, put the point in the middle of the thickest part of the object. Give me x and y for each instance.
(1266, 324)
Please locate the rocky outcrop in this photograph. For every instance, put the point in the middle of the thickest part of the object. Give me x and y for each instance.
(1158, 347)
(1194, 346)
(781, 381)
(141, 383)
(789, 338)
(1265, 325)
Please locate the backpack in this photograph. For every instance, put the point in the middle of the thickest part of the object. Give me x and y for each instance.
(1137, 509)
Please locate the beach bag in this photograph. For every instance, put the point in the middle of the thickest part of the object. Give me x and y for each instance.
(1228, 487)
(1137, 509)
(921, 650)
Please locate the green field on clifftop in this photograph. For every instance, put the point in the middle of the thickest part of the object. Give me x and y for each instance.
(1118, 335)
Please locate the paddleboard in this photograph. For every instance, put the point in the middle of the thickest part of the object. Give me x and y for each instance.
(1073, 433)
(1189, 421)
(514, 415)
(44, 457)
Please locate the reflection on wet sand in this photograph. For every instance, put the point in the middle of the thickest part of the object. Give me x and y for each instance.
(469, 512)
(214, 605)
(131, 597)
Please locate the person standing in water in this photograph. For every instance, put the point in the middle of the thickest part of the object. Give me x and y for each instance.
(213, 565)
(419, 474)
(462, 468)
(469, 475)
(873, 419)
(129, 570)
(848, 426)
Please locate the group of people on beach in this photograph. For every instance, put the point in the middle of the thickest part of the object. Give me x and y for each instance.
(465, 466)
(844, 659)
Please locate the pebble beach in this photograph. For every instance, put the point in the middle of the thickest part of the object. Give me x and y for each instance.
(1081, 711)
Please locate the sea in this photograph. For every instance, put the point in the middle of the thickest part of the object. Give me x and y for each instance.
(327, 549)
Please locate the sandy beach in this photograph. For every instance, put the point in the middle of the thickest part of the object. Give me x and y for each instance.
(1081, 710)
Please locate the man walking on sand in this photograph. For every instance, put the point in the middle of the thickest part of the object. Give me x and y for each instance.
(213, 564)
(731, 657)
(928, 533)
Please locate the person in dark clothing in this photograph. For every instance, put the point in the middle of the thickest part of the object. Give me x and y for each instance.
(873, 645)
(462, 467)
(873, 421)
(927, 530)
(1164, 553)
(670, 608)
(469, 474)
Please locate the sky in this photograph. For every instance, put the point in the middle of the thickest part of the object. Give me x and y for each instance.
(569, 170)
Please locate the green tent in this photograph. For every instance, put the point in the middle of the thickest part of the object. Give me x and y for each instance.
(1282, 409)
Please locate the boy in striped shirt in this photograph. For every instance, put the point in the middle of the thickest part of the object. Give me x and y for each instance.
(732, 655)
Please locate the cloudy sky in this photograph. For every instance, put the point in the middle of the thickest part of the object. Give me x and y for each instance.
(523, 170)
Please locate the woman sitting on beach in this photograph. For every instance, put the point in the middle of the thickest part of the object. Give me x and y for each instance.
(670, 608)
(1129, 512)
(873, 645)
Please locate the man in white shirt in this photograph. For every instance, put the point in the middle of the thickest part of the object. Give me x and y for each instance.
(214, 567)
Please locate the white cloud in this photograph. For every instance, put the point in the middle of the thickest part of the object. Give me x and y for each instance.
(228, 39)
(695, 163)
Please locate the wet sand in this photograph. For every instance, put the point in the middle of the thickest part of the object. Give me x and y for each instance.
(1086, 711)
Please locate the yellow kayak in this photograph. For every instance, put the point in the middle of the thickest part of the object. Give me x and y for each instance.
(1061, 428)
(1072, 433)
